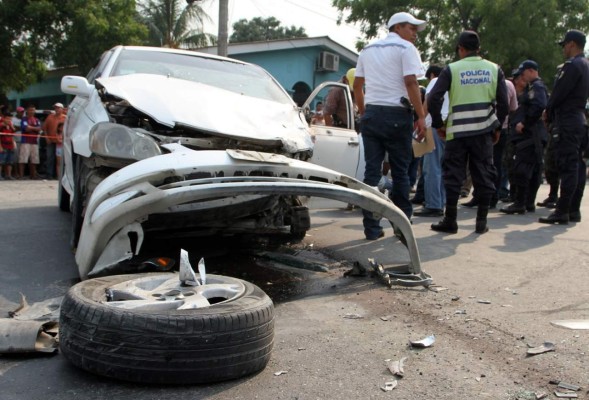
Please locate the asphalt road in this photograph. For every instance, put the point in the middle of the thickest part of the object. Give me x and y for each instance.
(497, 295)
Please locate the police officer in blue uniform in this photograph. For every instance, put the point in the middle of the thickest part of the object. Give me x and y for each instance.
(566, 111)
(529, 139)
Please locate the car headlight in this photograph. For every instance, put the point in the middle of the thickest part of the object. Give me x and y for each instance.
(118, 141)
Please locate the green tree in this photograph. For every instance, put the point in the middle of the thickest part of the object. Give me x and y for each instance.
(176, 24)
(258, 30)
(38, 33)
(510, 30)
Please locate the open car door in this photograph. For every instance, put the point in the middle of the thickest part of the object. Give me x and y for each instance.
(336, 147)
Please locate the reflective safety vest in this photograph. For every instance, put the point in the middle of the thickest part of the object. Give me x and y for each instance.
(472, 93)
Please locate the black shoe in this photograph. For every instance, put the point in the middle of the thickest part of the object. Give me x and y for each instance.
(507, 199)
(445, 225)
(472, 203)
(548, 203)
(417, 200)
(530, 209)
(513, 209)
(575, 216)
(381, 234)
(428, 212)
(481, 226)
(555, 218)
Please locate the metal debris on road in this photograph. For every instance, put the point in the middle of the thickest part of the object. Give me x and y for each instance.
(427, 342)
(460, 312)
(540, 396)
(280, 373)
(484, 301)
(436, 289)
(396, 367)
(28, 336)
(388, 386)
(455, 298)
(572, 323)
(544, 348)
(357, 270)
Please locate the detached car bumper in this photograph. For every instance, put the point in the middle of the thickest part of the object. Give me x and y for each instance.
(200, 179)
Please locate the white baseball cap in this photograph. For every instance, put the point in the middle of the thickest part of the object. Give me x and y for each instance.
(402, 17)
(58, 105)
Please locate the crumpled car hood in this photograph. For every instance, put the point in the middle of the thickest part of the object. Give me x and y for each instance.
(172, 101)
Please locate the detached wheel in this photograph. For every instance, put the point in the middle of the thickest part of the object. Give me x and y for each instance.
(147, 328)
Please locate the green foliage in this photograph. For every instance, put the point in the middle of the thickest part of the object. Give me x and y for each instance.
(258, 30)
(175, 24)
(63, 32)
(510, 30)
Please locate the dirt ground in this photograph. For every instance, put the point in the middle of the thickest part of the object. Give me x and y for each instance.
(495, 296)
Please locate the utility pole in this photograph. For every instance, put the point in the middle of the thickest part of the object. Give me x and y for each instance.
(223, 22)
(222, 37)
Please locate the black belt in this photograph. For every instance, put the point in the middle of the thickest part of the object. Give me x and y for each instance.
(388, 108)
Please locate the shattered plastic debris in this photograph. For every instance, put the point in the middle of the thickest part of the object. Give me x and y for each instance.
(353, 316)
(460, 312)
(388, 386)
(427, 342)
(544, 348)
(572, 323)
(278, 373)
(187, 275)
(540, 396)
(568, 386)
(396, 367)
(357, 270)
(565, 395)
(436, 289)
(484, 301)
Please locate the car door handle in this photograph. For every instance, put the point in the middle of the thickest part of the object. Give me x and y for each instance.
(353, 142)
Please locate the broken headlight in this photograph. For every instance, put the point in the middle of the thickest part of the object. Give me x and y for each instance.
(118, 141)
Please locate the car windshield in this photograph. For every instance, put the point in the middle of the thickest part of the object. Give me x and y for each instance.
(246, 79)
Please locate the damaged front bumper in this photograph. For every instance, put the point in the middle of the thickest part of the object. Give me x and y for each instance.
(126, 199)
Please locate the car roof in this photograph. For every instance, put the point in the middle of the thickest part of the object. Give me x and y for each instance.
(180, 51)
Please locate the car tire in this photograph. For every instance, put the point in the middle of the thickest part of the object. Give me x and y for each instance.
(226, 340)
(78, 202)
(63, 197)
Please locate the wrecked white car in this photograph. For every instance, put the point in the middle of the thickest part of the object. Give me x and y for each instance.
(177, 143)
(182, 143)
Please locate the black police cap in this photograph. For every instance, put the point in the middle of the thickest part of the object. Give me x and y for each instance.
(574, 36)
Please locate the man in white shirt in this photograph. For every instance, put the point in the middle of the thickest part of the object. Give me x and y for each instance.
(388, 70)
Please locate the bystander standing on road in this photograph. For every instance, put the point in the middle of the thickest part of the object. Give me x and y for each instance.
(388, 70)
(566, 112)
(434, 191)
(7, 145)
(474, 85)
(16, 121)
(50, 131)
(29, 148)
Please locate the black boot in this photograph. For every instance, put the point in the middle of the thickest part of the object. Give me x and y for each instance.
(481, 222)
(471, 203)
(448, 223)
(518, 207)
(575, 216)
(548, 202)
(556, 218)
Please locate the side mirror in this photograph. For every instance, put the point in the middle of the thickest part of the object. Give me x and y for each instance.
(76, 85)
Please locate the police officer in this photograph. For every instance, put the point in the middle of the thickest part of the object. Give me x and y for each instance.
(473, 85)
(566, 111)
(529, 139)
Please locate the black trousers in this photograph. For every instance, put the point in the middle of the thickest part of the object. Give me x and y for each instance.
(477, 153)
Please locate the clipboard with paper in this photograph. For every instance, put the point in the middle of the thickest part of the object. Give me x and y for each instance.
(427, 145)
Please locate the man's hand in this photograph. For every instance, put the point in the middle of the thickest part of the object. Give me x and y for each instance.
(496, 136)
(441, 132)
(420, 127)
(519, 128)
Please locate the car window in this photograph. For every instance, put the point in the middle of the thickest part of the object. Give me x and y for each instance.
(249, 80)
(96, 71)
